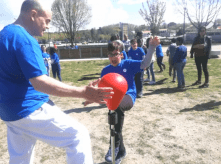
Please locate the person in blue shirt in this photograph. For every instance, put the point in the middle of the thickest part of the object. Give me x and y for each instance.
(25, 107)
(46, 57)
(179, 62)
(128, 69)
(171, 52)
(137, 53)
(55, 65)
(159, 54)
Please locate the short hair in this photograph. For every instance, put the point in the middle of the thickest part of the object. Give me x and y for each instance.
(113, 38)
(173, 40)
(52, 50)
(115, 45)
(133, 41)
(180, 40)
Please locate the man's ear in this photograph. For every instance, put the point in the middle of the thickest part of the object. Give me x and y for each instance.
(33, 15)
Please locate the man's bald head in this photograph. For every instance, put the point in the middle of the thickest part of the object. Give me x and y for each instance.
(35, 17)
(37, 5)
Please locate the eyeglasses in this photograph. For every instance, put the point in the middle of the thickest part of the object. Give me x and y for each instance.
(110, 54)
(203, 31)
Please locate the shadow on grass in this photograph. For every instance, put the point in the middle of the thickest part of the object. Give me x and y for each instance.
(160, 82)
(203, 107)
(89, 77)
(83, 109)
(164, 90)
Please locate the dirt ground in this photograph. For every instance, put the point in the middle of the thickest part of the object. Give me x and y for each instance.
(160, 128)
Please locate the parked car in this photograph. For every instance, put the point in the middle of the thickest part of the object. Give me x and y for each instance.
(84, 42)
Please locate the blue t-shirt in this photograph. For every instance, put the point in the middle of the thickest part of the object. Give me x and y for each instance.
(20, 60)
(54, 59)
(45, 56)
(137, 54)
(125, 55)
(159, 51)
(180, 54)
(127, 68)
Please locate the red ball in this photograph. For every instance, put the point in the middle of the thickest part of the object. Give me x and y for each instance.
(119, 85)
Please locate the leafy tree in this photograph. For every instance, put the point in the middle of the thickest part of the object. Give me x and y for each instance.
(70, 16)
(154, 13)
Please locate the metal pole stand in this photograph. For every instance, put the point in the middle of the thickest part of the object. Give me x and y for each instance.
(112, 120)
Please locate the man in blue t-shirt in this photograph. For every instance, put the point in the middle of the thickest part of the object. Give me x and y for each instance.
(128, 69)
(24, 87)
(137, 53)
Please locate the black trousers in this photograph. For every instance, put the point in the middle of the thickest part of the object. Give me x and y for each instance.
(139, 82)
(125, 105)
(202, 62)
(160, 62)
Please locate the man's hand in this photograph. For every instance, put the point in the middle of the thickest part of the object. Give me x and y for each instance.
(94, 94)
(154, 41)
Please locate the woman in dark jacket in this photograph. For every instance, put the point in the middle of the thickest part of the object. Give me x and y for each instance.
(201, 49)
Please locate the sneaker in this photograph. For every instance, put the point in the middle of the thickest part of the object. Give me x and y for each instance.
(146, 80)
(205, 85)
(139, 95)
(108, 157)
(152, 83)
(197, 83)
(164, 66)
(173, 81)
(120, 157)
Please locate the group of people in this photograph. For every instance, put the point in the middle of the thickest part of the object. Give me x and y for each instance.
(200, 49)
(51, 60)
(25, 106)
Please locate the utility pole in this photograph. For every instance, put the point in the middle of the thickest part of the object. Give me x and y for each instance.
(184, 22)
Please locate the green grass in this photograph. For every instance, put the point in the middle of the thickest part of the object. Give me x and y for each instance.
(80, 73)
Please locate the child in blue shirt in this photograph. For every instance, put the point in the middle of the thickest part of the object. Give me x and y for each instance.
(128, 69)
(137, 53)
(46, 58)
(56, 69)
(179, 61)
(159, 53)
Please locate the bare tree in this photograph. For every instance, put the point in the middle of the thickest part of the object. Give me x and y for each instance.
(70, 16)
(153, 15)
(199, 12)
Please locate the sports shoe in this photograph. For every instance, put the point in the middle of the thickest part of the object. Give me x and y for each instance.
(120, 157)
(152, 83)
(205, 85)
(108, 157)
(146, 80)
(197, 83)
(164, 66)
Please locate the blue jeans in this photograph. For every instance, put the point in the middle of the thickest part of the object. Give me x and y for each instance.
(150, 70)
(56, 70)
(180, 76)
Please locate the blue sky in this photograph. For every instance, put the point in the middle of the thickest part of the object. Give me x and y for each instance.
(104, 12)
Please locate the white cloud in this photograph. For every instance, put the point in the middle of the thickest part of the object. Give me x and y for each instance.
(131, 2)
(104, 13)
